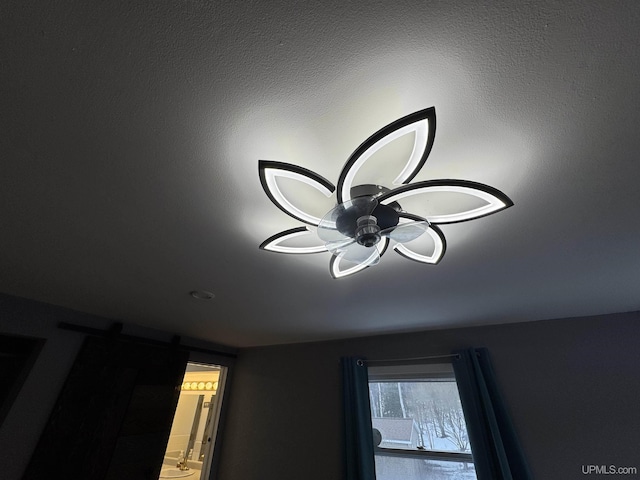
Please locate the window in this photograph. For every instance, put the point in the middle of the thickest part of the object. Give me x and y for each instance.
(419, 426)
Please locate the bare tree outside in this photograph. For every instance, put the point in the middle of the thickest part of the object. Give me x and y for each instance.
(438, 426)
(435, 408)
(433, 405)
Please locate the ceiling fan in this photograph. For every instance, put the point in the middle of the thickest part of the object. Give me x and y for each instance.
(353, 229)
(368, 217)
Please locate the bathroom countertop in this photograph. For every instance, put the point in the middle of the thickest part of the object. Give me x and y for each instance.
(194, 476)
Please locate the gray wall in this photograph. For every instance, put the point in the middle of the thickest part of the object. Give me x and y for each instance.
(572, 386)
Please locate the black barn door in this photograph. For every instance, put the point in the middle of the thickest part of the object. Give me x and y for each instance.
(113, 416)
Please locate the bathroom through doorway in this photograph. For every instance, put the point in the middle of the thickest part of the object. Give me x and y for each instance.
(195, 423)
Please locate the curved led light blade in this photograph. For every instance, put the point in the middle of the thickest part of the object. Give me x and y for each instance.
(337, 272)
(440, 246)
(423, 123)
(270, 170)
(340, 268)
(382, 245)
(274, 243)
(494, 198)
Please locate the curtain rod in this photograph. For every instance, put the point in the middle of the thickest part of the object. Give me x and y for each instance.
(431, 357)
(116, 329)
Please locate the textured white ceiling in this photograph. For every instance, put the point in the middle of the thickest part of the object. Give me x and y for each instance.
(130, 134)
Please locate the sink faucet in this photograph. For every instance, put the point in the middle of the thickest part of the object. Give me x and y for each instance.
(182, 462)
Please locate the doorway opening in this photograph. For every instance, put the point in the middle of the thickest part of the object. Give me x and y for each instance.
(189, 450)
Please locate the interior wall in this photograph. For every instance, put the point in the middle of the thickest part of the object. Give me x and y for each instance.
(182, 424)
(571, 385)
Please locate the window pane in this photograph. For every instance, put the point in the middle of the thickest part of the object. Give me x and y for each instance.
(402, 468)
(425, 415)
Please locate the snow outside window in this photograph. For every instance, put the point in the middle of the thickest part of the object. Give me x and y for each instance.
(419, 427)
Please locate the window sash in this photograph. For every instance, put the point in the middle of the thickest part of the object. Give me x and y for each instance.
(429, 372)
(425, 454)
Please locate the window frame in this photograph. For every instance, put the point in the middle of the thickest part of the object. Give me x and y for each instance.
(416, 372)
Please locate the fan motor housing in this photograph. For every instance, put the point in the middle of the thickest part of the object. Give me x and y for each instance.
(368, 231)
(385, 216)
(371, 190)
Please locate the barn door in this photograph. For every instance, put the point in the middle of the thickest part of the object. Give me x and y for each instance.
(113, 415)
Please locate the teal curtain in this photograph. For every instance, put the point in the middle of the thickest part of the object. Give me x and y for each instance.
(358, 432)
(496, 451)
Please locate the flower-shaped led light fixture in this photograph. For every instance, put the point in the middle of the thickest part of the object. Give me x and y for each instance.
(368, 217)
